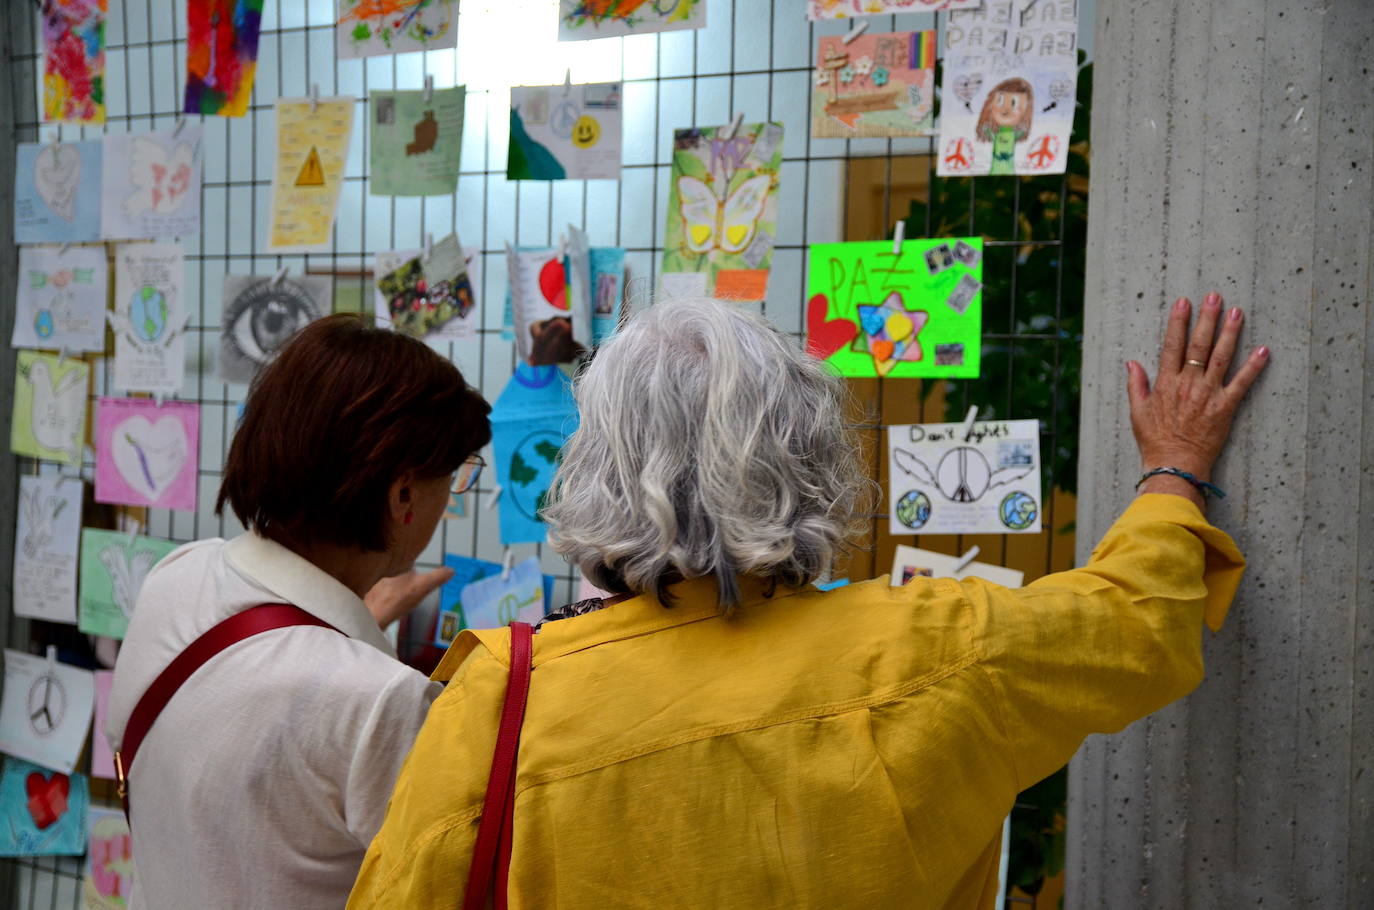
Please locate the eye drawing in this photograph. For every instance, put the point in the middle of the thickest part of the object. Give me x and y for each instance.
(258, 320)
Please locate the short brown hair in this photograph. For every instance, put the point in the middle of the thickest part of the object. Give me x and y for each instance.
(986, 130)
(343, 411)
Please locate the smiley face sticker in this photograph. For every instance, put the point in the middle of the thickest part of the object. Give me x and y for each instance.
(586, 131)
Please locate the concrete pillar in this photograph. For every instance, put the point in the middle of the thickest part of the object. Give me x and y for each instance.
(1233, 149)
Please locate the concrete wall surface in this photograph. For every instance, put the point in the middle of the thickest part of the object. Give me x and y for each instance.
(1233, 150)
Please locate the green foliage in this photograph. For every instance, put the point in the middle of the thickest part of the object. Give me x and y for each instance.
(1037, 833)
(1032, 292)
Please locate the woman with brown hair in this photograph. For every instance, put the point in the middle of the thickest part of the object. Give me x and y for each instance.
(1006, 120)
(262, 778)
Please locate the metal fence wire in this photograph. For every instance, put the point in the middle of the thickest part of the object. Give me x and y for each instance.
(754, 56)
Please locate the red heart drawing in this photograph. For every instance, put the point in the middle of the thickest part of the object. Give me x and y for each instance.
(823, 337)
(553, 284)
(47, 797)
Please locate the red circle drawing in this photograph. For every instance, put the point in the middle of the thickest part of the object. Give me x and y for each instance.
(958, 155)
(1044, 152)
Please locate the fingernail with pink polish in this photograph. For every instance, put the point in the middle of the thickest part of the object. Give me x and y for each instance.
(1263, 351)
(1234, 315)
(1181, 305)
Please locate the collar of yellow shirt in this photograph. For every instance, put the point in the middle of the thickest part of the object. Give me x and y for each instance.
(693, 601)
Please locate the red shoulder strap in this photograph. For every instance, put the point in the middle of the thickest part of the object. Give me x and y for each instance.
(250, 622)
(491, 853)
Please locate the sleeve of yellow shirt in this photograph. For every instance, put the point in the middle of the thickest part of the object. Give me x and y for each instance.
(1093, 649)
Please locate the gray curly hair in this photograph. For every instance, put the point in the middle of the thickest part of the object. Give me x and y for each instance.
(708, 445)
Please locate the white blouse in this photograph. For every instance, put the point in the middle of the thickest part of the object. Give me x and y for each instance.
(266, 776)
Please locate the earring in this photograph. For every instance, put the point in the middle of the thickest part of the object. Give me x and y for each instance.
(409, 517)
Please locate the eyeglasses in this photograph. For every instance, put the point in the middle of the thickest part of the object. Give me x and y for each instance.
(465, 478)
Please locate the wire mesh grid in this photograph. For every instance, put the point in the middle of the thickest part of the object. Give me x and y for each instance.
(754, 56)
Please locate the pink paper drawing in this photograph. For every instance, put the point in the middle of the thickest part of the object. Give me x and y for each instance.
(147, 455)
(102, 759)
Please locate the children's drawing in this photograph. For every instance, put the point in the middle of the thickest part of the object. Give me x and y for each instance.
(944, 479)
(367, 28)
(910, 562)
(74, 61)
(876, 312)
(416, 141)
(607, 268)
(49, 407)
(530, 422)
(221, 55)
(57, 192)
(102, 759)
(60, 300)
(430, 296)
(312, 146)
(109, 870)
(42, 812)
(149, 318)
(582, 19)
(113, 568)
(493, 601)
(260, 314)
(45, 710)
(876, 85)
(551, 318)
(1009, 91)
(146, 454)
(151, 184)
(722, 211)
(564, 132)
(843, 9)
(46, 537)
(449, 620)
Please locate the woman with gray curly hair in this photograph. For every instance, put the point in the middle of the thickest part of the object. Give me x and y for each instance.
(720, 733)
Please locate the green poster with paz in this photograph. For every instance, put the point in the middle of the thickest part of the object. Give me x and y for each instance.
(912, 311)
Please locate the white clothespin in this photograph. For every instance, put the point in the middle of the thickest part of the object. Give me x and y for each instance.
(969, 418)
(964, 560)
(733, 128)
(429, 88)
(62, 354)
(52, 660)
(898, 237)
(281, 273)
(495, 496)
(176, 131)
(134, 527)
(314, 97)
(507, 563)
(157, 400)
(62, 250)
(567, 82)
(57, 136)
(856, 31)
(428, 244)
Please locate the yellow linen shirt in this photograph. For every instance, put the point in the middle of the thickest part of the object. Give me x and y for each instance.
(852, 748)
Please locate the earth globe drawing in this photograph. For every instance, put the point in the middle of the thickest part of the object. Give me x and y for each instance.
(913, 509)
(42, 323)
(1018, 510)
(148, 313)
(532, 467)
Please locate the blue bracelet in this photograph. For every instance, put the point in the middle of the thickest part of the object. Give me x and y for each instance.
(1203, 487)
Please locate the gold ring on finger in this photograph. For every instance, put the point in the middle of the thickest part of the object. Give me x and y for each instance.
(1196, 363)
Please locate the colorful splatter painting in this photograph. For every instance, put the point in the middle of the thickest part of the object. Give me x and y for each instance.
(74, 61)
(368, 28)
(221, 55)
(582, 19)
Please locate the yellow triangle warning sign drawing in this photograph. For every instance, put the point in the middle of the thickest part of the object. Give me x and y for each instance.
(312, 173)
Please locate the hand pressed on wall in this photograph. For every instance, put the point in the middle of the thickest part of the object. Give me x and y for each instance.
(394, 597)
(1185, 419)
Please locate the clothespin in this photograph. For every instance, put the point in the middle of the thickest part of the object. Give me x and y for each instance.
(134, 527)
(567, 82)
(898, 237)
(969, 418)
(495, 496)
(314, 97)
(429, 88)
(57, 136)
(52, 660)
(733, 128)
(281, 273)
(62, 250)
(967, 558)
(856, 31)
(157, 400)
(61, 354)
(176, 131)
(507, 563)
(428, 244)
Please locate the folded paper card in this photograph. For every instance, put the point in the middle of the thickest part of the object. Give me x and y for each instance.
(530, 422)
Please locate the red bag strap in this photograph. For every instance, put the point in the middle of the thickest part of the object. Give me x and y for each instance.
(491, 853)
(250, 622)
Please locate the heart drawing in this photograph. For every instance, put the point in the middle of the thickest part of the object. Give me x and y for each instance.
(553, 285)
(824, 338)
(47, 797)
(56, 174)
(149, 456)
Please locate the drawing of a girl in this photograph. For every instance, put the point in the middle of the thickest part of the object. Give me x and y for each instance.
(1006, 120)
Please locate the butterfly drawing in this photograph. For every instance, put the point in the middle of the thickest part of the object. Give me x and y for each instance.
(729, 225)
(161, 178)
(126, 574)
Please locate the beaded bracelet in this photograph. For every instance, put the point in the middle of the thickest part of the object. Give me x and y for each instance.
(1203, 487)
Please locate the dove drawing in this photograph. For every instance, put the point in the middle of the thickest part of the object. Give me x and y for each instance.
(58, 415)
(40, 512)
(127, 571)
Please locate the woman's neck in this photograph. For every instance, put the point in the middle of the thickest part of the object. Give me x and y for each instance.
(357, 570)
